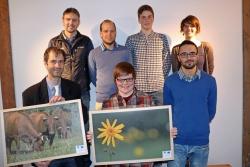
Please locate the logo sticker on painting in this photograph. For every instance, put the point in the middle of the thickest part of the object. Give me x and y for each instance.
(79, 149)
(166, 154)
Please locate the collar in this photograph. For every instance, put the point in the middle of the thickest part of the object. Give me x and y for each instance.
(51, 85)
(187, 78)
(133, 94)
(151, 34)
(70, 40)
(103, 48)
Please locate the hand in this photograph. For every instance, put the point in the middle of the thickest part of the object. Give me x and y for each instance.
(42, 164)
(173, 132)
(55, 99)
(89, 137)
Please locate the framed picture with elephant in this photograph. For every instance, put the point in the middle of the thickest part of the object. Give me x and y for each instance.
(43, 132)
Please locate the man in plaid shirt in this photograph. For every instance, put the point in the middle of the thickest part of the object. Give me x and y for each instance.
(151, 56)
(126, 96)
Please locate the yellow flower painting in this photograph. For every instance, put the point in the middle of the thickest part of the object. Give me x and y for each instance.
(110, 133)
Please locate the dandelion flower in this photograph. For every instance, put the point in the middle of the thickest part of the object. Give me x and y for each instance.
(110, 132)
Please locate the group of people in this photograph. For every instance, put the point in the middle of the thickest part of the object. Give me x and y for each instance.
(134, 75)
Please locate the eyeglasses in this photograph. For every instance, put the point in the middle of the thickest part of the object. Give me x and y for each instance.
(186, 54)
(129, 80)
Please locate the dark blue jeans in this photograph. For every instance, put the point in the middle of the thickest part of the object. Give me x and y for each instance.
(197, 155)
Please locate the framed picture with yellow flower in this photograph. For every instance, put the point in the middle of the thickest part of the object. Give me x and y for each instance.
(131, 135)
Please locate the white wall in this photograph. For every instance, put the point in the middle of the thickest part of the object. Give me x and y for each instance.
(33, 23)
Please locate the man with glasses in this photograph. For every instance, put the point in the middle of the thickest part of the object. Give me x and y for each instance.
(193, 95)
(127, 95)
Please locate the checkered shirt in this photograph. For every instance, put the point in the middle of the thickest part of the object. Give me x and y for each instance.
(138, 99)
(151, 59)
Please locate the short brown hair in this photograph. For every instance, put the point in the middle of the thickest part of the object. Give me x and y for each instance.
(188, 42)
(56, 50)
(192, 20)
(71, 10)
(145, 8)
(123, 68)
(106, 21)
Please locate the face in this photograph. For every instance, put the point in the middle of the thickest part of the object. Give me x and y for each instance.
(146, 20)
(188, 56)
(189, 31)
(70, 22)
(54, 65)
(125, 84)
(108, 33)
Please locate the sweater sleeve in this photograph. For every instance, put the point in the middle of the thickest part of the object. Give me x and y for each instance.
(92, 67)
(212, 100)
(167, 95)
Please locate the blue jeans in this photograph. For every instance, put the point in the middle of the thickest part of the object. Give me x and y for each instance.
(66, 162)
(197, 156)
(157, 97)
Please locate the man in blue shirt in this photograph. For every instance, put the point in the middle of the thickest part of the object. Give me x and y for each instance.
(193, 95)
(102, 61)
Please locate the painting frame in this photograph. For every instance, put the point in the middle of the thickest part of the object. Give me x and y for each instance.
(26, 147)
(102, 120)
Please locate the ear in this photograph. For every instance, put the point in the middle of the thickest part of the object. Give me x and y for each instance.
(178, 57)
(45, 64)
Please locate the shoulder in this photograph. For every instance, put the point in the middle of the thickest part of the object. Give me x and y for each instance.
(95, 51)
(133, 36)
(208, 78)
(56, 38)
(34, 89)
(176, 47)
(84, 37)
(206, 44)
(112, 102)
(122, 48)
(172, 79)
(70, 83)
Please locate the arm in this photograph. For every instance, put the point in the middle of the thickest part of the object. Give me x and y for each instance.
(92, 68)
(175, 62)
(166, 57)
(129, 46)
(167, 94)
(212, 100)
(210, 58)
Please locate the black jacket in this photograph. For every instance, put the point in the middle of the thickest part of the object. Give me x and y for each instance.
(38, 94)
(76, 62)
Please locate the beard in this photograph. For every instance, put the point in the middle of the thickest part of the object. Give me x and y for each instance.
(189, 65)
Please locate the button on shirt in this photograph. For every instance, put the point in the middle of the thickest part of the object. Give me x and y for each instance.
(151, 59)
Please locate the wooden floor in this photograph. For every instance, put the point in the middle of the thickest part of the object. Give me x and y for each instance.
(220, 165)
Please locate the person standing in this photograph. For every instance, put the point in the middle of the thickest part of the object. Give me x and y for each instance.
(53, 89)
(103, 59)
(77, 47)
(193, 96)
(150, 54)
(190, 27)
